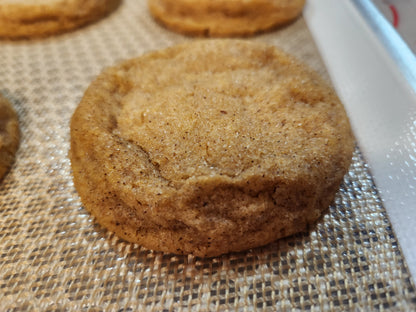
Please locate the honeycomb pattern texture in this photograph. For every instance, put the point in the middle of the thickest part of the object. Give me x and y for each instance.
(54, 257)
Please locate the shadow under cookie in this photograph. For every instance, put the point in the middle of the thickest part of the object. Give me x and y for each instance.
(9, 135)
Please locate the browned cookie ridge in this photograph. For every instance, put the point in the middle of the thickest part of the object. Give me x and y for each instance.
(209, 147)
(9, 135)
(40, 18)
(224, 18)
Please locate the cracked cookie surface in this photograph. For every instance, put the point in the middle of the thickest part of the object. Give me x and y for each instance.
(40, 18)
(224, 18)
(209, 147)
(9, 135)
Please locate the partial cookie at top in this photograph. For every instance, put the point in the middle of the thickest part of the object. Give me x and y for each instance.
(40, 18)
(9, 135)
(209, 147)
(224, 18)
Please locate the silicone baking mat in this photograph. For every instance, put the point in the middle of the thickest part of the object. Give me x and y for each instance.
(54, 257)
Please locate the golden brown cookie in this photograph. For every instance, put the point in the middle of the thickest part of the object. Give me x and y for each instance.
(224, 18)
(9, 135)
(39, 18)
(209, 147)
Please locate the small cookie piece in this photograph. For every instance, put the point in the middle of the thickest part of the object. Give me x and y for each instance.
(224, 18)
(209, 147)
(40, 18)
(9, 135)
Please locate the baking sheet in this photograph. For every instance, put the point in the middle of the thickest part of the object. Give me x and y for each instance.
(54, 257)
(374, 72)
(401, 15)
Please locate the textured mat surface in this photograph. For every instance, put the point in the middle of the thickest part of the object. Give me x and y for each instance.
(53, 257)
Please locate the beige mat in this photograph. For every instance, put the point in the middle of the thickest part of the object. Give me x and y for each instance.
(54, 258)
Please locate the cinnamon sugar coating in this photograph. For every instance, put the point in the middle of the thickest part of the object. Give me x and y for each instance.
(209, 147)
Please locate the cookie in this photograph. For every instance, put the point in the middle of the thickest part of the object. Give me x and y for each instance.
(9, 135)
(224, 18)
(39, 18)
(209, 147)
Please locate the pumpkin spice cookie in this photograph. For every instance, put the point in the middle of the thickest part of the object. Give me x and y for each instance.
(209, 147)
(9, 135)
(224, 18)
(40, 18)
